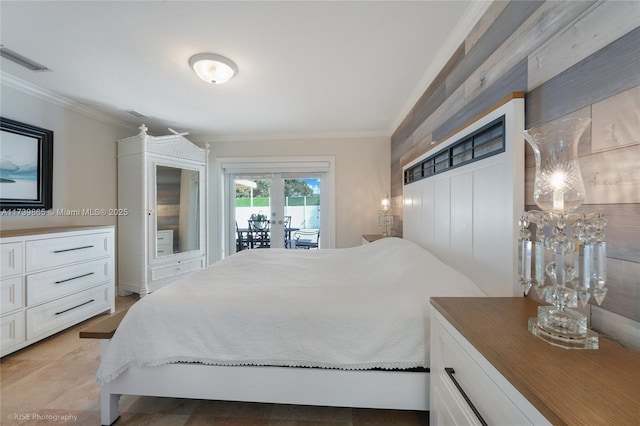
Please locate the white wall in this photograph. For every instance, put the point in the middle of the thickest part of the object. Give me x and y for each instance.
(362, 176)
(85, 170)
(84, 157)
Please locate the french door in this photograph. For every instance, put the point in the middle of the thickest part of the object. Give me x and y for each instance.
(269, 203)
(272, 209)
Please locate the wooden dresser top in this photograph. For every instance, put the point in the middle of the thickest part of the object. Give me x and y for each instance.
(567, 386)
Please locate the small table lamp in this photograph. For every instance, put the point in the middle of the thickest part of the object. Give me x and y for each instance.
(385, 217)
(570, 251)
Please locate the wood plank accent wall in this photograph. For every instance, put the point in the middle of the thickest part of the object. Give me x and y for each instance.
(572, 59)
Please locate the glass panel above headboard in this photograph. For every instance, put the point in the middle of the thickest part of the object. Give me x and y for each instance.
(482, 143)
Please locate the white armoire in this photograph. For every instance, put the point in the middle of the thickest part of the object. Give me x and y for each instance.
(162, 200)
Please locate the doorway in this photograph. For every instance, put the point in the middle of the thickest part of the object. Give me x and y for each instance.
(277, 210)
(277, 203)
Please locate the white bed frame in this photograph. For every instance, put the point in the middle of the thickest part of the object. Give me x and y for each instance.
(284, 385)
(480, 243)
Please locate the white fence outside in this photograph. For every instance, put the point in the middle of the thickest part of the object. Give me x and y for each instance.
(303, 217)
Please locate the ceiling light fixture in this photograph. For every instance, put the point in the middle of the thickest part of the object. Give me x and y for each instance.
(212, 68)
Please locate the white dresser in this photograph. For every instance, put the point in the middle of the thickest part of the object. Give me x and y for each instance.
(486, 368)
(53, 278)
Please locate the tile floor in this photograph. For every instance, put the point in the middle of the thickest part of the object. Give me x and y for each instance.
(53, 383)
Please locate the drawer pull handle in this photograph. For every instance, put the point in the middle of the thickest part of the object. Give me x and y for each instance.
(72, 249)
(75, 307)
(450, 372)
(74, 278)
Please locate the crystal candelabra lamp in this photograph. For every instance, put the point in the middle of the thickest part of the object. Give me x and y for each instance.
(385, 217)
(565, 258)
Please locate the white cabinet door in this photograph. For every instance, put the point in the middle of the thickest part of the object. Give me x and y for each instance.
(10, 259)
(11, 294)
(11, 332)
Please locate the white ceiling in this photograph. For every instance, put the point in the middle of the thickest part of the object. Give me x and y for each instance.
(306, 68)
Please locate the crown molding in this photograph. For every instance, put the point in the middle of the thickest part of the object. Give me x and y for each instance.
(287, 136)
(59, 100)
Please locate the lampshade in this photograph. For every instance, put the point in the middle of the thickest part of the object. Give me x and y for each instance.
(385, 204)
(558, 184)
(213, 68)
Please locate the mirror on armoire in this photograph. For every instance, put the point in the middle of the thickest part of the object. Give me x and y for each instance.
(178, 210)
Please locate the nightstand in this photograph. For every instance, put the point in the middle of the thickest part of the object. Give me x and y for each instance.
(369, 238)
(485, 364)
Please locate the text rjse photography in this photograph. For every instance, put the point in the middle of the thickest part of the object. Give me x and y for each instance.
(54, 418)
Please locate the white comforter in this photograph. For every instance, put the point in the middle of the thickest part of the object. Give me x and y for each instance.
(356, 308)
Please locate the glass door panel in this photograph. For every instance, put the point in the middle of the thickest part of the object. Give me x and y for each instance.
(252, 212)
(302, 211)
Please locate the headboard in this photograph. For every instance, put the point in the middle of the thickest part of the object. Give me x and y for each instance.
(464, 207)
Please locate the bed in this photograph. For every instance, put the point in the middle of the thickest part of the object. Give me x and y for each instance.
(339, 309)
(341, 327)
(353, 309)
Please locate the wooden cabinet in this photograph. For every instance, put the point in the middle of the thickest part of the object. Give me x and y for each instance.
(53, 278)
(162, 185)
(486, 368)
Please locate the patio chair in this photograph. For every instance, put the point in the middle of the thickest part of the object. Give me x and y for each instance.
(242, 239)
(259, 234)
(287, 231)
(306, 239)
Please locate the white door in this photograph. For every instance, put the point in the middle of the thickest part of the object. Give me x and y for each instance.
(272, 209)
(292, 193)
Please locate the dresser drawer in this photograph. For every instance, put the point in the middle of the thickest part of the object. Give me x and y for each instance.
(11, 294)
(55, 283)
(11, 331)
(164, 242)
(11, 259)
(53, 252)
(164, 249)
(446, 410)
(175, 269)
(56, 315)
(453, 364)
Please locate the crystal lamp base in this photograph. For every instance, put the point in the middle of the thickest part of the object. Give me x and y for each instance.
(562, 321)
(586, 340)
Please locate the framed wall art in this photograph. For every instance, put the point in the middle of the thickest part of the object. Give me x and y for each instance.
(26, 166)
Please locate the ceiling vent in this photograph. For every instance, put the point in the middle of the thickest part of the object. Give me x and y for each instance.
(135, 113)
(21, 60)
